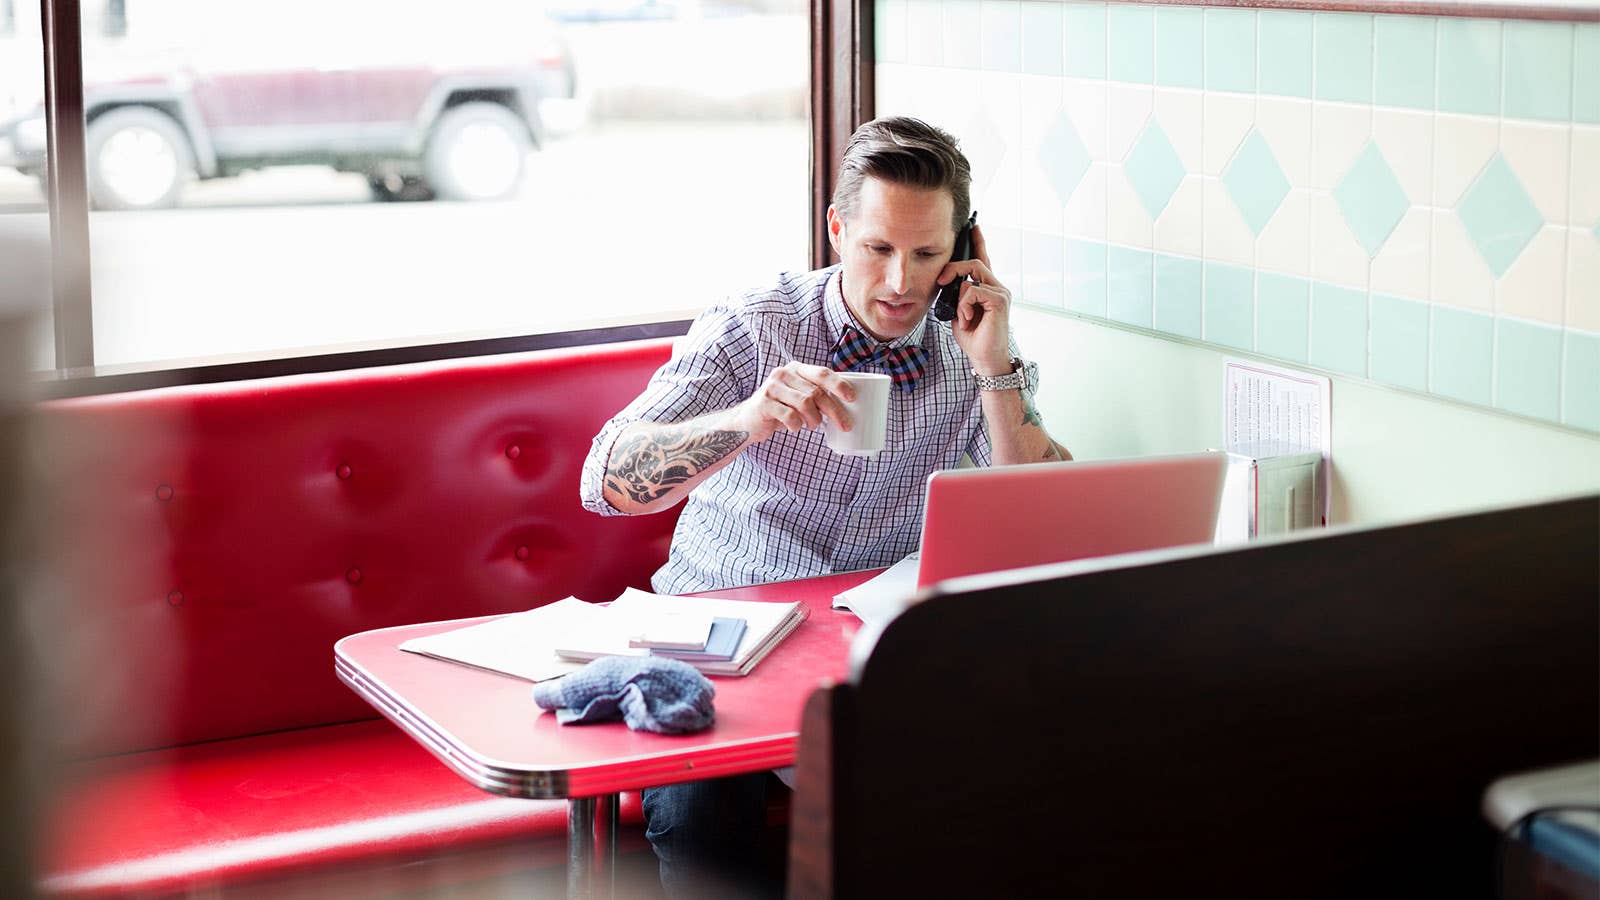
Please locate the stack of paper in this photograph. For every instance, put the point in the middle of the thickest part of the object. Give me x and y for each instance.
(765, 625)
(558, 638)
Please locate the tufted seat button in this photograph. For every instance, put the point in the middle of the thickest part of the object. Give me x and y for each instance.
(513, 451)
(353, 575)
(175, 598)
(164, 493)
(344, 471)
(523, 552)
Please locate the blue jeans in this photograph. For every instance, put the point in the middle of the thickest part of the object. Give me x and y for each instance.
(707, 835)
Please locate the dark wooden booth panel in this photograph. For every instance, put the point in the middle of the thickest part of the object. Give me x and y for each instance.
(1308, 718)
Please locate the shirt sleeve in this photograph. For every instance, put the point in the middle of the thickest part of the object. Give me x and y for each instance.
(711, 369)
(980, 450)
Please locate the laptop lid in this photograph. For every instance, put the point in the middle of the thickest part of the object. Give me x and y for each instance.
(1007, 517)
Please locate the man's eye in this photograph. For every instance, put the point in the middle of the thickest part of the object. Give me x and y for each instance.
(879, 249)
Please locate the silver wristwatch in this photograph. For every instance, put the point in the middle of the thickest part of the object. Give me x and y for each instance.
(1015, 380)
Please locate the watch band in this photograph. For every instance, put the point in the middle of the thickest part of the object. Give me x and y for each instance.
(1015, 380)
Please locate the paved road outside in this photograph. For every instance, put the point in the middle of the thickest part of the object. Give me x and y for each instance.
(612, 222)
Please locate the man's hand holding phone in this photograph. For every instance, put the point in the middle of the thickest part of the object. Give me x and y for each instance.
(982, 323)
(793, 397)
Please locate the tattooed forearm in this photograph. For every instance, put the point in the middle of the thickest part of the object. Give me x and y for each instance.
(1030, 413)
(648, 465)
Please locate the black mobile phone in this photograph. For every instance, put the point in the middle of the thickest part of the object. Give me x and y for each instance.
(944, 306)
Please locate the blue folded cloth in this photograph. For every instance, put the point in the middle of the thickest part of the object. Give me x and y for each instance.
(650, 693)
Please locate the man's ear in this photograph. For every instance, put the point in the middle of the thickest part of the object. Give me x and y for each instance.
(836, 230)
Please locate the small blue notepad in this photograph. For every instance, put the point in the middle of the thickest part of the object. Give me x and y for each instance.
(721, 645)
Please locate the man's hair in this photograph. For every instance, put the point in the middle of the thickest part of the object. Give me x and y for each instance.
(909, 152)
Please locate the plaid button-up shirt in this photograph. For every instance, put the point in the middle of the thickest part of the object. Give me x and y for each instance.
(789, 507)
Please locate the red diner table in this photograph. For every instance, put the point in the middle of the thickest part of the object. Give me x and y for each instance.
(485, 725)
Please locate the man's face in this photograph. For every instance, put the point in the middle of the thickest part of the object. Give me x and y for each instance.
(893, 248)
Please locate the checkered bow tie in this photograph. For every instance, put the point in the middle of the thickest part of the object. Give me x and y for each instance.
(904, 365)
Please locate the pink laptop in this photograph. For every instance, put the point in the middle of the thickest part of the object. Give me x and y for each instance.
(1007, 517)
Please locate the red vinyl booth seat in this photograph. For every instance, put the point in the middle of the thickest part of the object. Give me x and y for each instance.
(214, 542)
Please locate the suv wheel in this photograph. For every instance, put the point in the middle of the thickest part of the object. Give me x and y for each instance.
(478, 151)
(138, 159)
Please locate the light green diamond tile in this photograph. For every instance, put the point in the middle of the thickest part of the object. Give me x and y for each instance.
(1063, 157)
(1372, 199)
(1255, 181)
(1154, 169)
(1499, 215)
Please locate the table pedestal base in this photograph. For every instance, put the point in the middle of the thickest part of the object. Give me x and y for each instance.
(592, 846)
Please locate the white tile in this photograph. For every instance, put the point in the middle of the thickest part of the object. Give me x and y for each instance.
(925, 33)
(1085, 103)
(1179, 228)
(1041, 207)
(1182, 117)
(951, 99)
(1285, 244)
(1286, 124)
(1338, 132)
(1585, 207)
(1462, 146)
(891, 23)
(1460, 277)
(1534, 287)
(892, 92)
(1538, 152)
(1401, 266)
(1002, 97)
(1085, 215)
(1336, 255)
(1127, 222)
(1128, 107)
(1228, 118)
(1583, 280)
(1227, 238)
(962, 19)
(1406, 138)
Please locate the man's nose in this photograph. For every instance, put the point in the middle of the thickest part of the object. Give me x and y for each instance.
(897, 275)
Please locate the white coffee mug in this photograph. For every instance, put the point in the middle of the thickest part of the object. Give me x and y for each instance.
(869, 416)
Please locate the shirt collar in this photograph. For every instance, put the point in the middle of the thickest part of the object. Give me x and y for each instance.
(837, 315)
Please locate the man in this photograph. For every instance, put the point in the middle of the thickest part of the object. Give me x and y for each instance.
(732, 424)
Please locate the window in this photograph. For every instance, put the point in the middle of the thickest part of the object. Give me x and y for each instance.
(311, 177)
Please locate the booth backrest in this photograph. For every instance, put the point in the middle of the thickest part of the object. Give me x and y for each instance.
(1310, 717)
(217, 540)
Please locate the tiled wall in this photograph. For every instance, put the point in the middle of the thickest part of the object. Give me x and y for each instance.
(1409, 200)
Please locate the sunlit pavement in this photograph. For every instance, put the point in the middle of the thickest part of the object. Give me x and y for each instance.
(611, 223)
